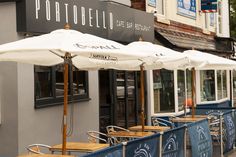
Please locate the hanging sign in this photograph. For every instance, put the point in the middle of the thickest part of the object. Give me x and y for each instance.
(208, 6)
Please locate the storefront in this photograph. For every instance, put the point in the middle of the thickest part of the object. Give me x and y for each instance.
(32, 96)
(213, 87)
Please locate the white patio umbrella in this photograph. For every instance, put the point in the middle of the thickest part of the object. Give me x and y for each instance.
(85, 51)
(206, 61)
(157, 57)
(209, 61)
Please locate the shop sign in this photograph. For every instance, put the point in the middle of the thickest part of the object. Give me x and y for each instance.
(208, 6)
(104, 19)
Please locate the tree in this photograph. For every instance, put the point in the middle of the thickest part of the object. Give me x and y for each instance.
(233, 18)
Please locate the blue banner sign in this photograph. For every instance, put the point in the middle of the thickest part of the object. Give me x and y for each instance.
(144, 147)
(200, 139)
(187, 8)
(173, 143)
(114, 151)
(209, 5)
(229, 131)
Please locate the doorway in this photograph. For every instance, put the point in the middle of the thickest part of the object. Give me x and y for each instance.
(119, 98)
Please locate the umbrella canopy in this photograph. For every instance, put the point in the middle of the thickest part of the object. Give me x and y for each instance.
(87, 51)
(206, 61)
(155, 57)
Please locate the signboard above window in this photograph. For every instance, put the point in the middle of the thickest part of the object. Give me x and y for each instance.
(208, 6)
(187, 8)
(104, 19)
(8, 0)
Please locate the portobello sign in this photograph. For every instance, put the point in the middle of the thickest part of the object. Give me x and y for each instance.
(105, 19)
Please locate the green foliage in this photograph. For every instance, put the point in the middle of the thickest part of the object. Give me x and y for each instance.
(233, 18)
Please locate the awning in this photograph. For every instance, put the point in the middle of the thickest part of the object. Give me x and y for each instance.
(185, 40)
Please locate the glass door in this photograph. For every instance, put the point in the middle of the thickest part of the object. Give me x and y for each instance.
(125, 106)
(119, 98)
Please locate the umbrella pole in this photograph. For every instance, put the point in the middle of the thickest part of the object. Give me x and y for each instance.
(193, 92)
(142, 95)
(66, 65)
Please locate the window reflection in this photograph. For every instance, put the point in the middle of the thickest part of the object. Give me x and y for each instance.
(207, 85)
(163, 86)
(221, 84)
(43, 82)
(49, 85)
(181, 89)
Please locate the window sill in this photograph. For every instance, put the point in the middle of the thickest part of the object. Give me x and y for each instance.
(43, 105)
(163, 20)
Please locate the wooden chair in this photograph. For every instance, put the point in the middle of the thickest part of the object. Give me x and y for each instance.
(38, 148)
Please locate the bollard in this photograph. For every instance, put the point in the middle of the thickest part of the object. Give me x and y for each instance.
(160, 144)
(185, 140)
(221, 136)
(124, 147)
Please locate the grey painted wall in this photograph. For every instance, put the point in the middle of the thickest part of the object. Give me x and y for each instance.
(9, 110)
(21, 124)
(8, 22)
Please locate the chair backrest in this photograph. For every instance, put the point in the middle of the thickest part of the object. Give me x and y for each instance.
(114, 128)
(156, 121)
(38, 148)
(97, 137)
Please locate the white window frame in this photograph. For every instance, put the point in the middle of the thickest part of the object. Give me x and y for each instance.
(176, 112)
(198, 93)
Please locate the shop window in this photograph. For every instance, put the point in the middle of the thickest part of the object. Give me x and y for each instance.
(206, 21)
(221, 84)
(49, 85)
(207, 85)
(160, 7)
(189, 84)
(181, 89)
(163, 86)
(184, 83)
(219, 17)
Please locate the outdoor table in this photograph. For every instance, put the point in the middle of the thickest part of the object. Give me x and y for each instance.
(149, 128)
(198, 116)
(129, 134)
(83, 147)
(45, 155)
(186, 119)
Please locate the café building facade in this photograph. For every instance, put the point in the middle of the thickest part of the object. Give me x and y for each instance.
(31, 96)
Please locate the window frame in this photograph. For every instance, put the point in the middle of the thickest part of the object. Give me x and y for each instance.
(59, 100)
(217, 100)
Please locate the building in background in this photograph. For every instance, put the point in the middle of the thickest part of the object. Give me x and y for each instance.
(183, 25)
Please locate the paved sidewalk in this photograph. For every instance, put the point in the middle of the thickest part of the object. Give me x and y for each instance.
(231, 154)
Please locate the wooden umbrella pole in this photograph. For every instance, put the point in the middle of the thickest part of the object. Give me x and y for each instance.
(66, 65)
(193, 92)
(142, 94)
